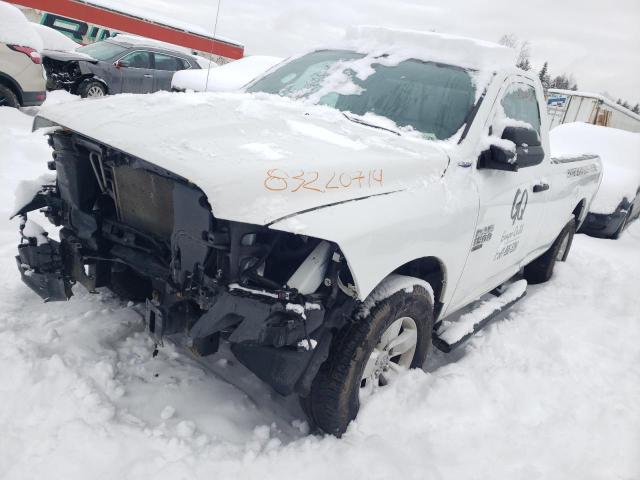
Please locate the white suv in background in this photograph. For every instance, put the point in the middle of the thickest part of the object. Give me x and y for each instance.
(22, 77)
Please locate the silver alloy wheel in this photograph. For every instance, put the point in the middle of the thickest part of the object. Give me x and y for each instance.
(95, 91)
(392, 355)
(563, 248)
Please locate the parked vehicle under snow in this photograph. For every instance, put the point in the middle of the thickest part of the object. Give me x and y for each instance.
(617, 202)
(325, 221)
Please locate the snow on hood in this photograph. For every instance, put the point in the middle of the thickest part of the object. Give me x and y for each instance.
(227, 78)
(15, 29)
(257, 157)
(53, 40)
(620, 154)
(430, 46)
(66, 56)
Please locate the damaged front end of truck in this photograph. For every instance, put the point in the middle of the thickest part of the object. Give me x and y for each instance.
(150, 235)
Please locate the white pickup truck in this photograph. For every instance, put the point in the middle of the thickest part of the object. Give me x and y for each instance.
(329, 222)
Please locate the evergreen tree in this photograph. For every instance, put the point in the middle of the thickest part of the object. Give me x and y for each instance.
(544, 76)
(636, 109)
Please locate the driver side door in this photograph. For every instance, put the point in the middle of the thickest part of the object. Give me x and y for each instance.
(511, 209)
(136, 72)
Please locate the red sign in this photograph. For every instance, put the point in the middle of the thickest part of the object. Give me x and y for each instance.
(81, 10)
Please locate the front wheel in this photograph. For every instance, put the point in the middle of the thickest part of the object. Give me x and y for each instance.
(370, 353)
(92, 89)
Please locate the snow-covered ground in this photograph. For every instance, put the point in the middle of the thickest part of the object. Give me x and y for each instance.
(549, 391)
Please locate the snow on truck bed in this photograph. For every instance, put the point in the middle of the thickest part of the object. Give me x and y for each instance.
(620, 154)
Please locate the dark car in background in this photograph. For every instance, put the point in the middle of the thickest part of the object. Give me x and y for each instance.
(115, 66)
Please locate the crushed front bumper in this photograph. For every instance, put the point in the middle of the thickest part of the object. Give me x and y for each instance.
(42, 269)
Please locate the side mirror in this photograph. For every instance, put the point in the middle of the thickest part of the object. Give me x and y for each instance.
(522, 136)
(528, 151)
(498, 158)
(121, 64)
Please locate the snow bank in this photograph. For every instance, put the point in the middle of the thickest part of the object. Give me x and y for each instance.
(15, 29)
(23, 157)
(229, 77)
(620, 153)
(54, 40)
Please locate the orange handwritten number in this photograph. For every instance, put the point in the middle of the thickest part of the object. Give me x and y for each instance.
(274, 182)
(300, 177)
(379, 178)
(359, 177)
(328, 185)
(350, 180)
(308, 184)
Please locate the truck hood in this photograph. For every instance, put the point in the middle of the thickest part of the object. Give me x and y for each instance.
(259, 158)
(65, 56)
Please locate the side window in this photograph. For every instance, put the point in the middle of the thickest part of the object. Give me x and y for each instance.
(184, 65)
(517, 119)
(168, 63)
(137, 60)
(520, 103)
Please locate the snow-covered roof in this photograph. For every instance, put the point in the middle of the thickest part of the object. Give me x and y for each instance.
(229, 77)
(15, 29)
(597, 96)
(148, 42)
(430, 46)
(162, 12)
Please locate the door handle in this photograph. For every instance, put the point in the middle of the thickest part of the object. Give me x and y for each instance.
(541, 187)
(147, 75)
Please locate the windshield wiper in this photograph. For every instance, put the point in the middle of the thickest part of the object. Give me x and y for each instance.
(362, 122)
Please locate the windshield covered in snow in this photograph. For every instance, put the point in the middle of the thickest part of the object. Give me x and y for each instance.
(102, 50)
(432, 98)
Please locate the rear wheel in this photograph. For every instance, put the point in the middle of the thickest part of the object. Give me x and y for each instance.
(368, 354)
(92, 89)
(8, 98)
(541, 269)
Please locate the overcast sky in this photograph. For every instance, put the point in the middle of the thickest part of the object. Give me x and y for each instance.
(597, 41)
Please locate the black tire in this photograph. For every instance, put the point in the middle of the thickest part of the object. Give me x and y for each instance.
(334, 398)
(130, 285)
(541, 269)
(8, 98)
(86, 87)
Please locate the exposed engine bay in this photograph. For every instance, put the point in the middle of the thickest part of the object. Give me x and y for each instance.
(150, 235)
(64, 74)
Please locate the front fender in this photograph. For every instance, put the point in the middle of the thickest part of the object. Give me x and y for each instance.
(379, 234)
